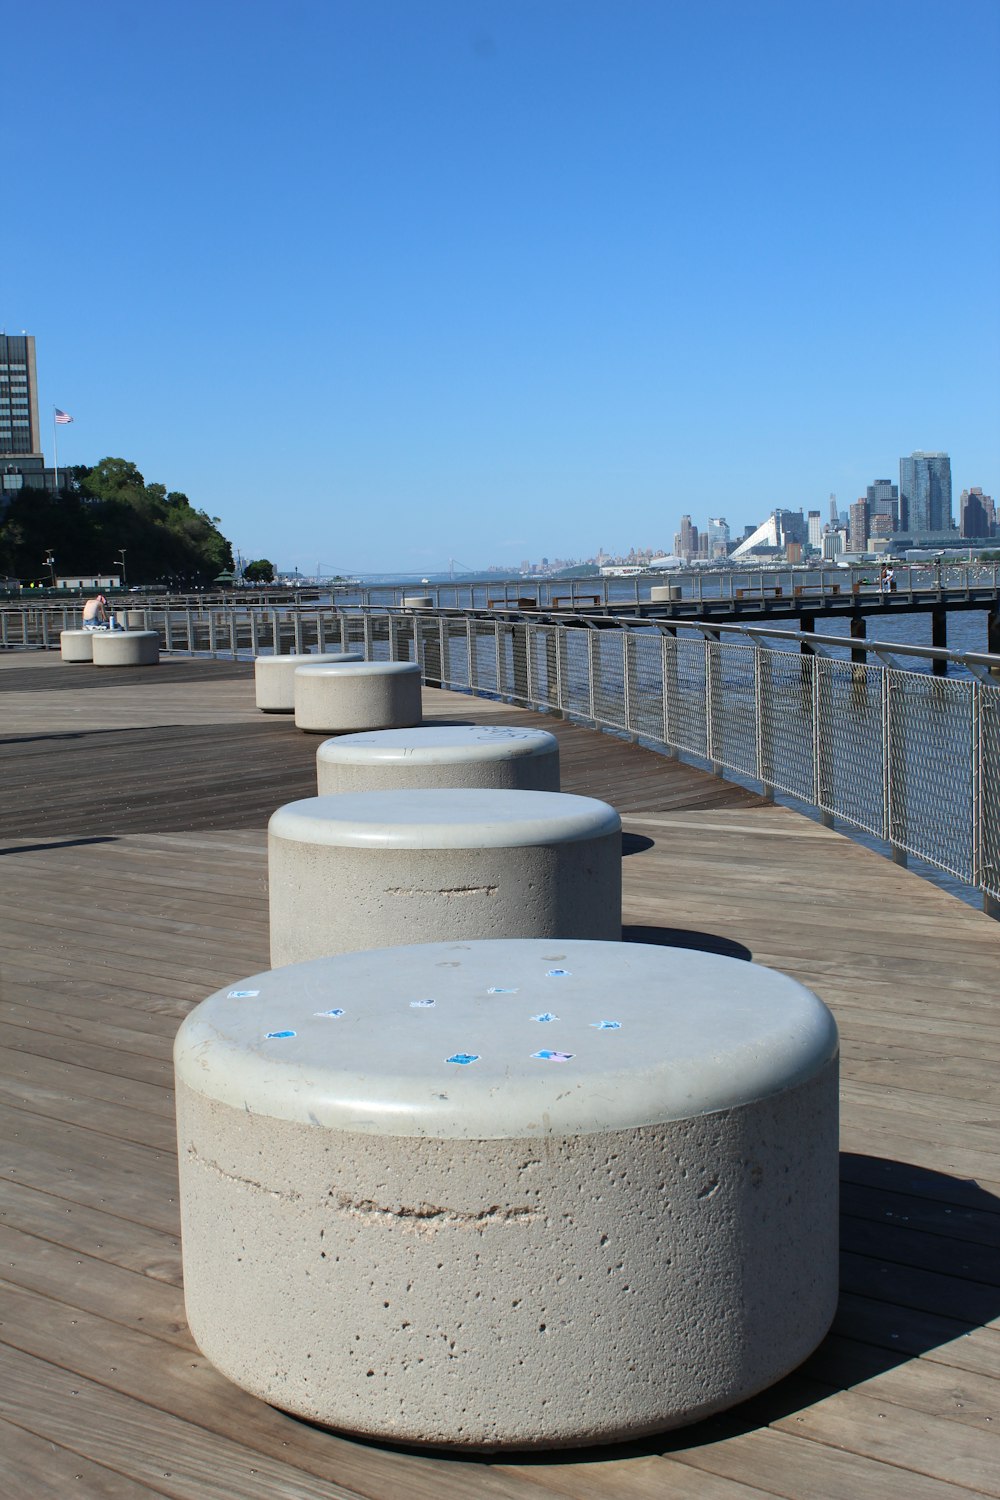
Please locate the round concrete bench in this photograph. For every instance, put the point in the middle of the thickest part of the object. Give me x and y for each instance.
(76, 645)
(418, 601)
(365, 695)
(274, 677)
(663, 593)
(126, 648)
(439, 755)
(371, 869)
(509, 1194)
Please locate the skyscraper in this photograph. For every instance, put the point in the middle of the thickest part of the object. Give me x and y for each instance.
(883, 500)
(718, 536)
(858, 530)
(19, 435)
(925, 493)
(815, 523)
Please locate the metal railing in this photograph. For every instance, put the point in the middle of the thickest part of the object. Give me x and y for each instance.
(907, 757)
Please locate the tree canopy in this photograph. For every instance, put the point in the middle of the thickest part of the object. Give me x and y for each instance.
(102, 510)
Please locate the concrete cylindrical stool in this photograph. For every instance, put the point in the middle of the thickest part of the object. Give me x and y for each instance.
(274, 677)
(76, 645)
(372, 869)
(126, 648)
(663, 593)
(418, 601)
(509, 1194)
(365, 695)
(483, 755)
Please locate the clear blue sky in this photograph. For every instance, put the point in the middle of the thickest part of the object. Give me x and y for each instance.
(386, 282)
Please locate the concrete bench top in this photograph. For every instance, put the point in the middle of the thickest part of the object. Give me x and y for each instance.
(504, 1039)
(440, 744)
(360, 668)
(443, 818)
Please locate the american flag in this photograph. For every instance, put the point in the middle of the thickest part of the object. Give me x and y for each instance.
(63, 416)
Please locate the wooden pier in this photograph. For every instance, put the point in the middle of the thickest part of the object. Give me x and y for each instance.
(134, 804)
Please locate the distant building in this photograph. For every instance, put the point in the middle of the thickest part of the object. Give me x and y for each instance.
(925, 493)
(19, 434)
(814, 523)
(833, 542)
(717, 540)
(977, 513)
(880, 528)
(857, 526)
(883, 500)
(834, 516)
(773, 535)
(686, 539)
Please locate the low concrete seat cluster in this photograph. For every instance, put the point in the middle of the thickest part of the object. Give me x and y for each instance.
(463, 1168)
(110, 648)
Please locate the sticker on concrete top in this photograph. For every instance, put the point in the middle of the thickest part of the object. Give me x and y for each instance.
(422, 1004)
(499, 989)
(548, 1056)
(606, 1025)
(334, 1015)
(559, 974)
(464, 1058)
(278, 1036)
(242, 994)
(546, 1015)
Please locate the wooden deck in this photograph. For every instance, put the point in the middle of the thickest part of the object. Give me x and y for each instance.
(134, 883)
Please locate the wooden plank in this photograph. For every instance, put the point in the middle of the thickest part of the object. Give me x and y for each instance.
(33, 1468)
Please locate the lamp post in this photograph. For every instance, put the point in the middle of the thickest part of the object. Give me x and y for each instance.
(50, 563)
(121, 559)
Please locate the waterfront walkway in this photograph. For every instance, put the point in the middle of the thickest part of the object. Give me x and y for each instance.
(133, 883)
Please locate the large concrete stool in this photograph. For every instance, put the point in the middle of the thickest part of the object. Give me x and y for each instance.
(509, 1194)
(126, 648)
(366, 695)
(372, 869)
(661, 593)
(76, 645)
(439, 755)
(274, 677)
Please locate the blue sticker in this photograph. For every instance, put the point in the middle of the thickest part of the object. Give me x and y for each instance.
(277, 1036)
(334, 1015)
(422, 1004)
(496, 989)
(559, 974)
(606, 1025)
(463, 1057)
(546, 1056)
(242, 994)
(546, 1015)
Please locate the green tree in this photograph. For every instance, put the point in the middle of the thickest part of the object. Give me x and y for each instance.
(260, 571)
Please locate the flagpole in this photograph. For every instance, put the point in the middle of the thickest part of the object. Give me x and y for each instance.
(55, 444)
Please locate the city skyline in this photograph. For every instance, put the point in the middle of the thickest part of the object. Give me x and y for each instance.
(487, 283)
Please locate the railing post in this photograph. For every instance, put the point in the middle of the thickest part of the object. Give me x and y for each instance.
(711, 645)
(894, 787)
(765, 750)
(254, 633)
(297, 631)
(593, 666)
(668, 676)
(628, 662)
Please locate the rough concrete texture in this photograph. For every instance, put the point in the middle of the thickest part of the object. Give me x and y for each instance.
(76, 645)
(366, 871)
(274, 676)
(366, 695)
(445, 755)
(511, 1294)
(126, 648)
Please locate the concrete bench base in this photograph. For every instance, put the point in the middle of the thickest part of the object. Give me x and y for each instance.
(126, 648)
(274, 677)
(371, 869)
(509, 1195)
(477, 755)
(367, 695)
(76, 645)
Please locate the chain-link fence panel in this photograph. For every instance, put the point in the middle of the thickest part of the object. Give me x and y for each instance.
(644, 684)
(574, 673)
(732, 702)
(543, 653)
(988, 799)
(684, 693)
(850, 743)
(930, 769)
(607, 656)
(786, 728)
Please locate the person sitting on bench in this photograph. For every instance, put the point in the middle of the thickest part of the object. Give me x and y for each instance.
(96, 616)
